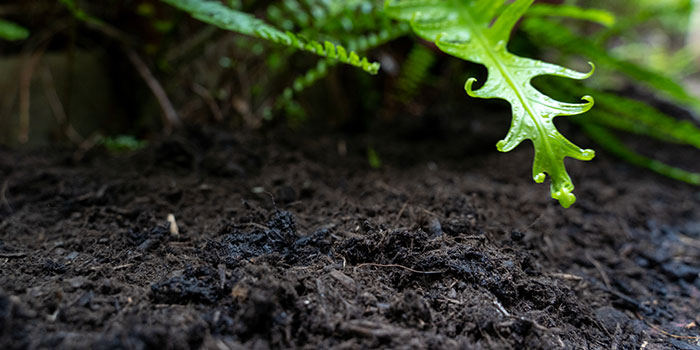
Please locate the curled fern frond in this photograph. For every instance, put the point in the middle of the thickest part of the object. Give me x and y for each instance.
(478, 31)
(215, 13)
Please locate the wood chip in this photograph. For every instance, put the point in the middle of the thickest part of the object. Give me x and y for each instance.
(174, 230)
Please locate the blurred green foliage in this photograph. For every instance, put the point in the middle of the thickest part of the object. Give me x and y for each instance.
(122, 143)
(12, 31)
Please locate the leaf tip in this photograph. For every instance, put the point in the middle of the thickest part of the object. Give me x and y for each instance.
(564, 196)
(587, 154)
(501, 145)
(591, 72)
(539, 178)
(590, 102)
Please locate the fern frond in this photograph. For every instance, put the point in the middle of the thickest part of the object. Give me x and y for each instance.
(571, 11)
(215, 13)
(330, 16)
(555, 35)
(414, 71)
(321, 69)
(301, 83)
(612, 144)
(625, 114)
(464, 29)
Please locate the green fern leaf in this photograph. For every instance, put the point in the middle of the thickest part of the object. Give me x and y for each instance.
(571, 11)
(215, 13)
(556, 35)
(464, 29)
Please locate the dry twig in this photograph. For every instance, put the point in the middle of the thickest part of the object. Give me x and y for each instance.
(209, 99)
(57, 107)
(398, 215)
(169, 114)
(12, 255)
(3, 195)
(401, 267)
(658, 329)
(600, 269)
(170, 117)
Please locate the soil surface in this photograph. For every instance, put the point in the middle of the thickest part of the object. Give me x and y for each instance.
(286, 240)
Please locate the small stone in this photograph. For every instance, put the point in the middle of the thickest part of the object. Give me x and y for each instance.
(610, 317)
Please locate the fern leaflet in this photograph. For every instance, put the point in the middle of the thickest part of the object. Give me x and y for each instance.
(215, 13)
(414, 71)
(318, 72)
(464, 29)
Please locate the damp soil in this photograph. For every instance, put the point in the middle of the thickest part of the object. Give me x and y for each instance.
(290, 240)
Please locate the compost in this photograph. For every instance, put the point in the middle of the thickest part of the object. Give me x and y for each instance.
(282, 239)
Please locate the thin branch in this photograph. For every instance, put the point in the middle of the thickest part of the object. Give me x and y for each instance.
(658, 329)
(209, 99)
(3, 195)
(57, 108)
(401, 267)
(170, 115)
(12, 255)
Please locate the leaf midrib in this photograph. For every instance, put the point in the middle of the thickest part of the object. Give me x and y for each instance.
(478, 34)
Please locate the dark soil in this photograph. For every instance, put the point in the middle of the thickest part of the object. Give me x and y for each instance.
(284, 243)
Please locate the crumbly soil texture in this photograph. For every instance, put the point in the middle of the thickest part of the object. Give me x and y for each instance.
(280, 239)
